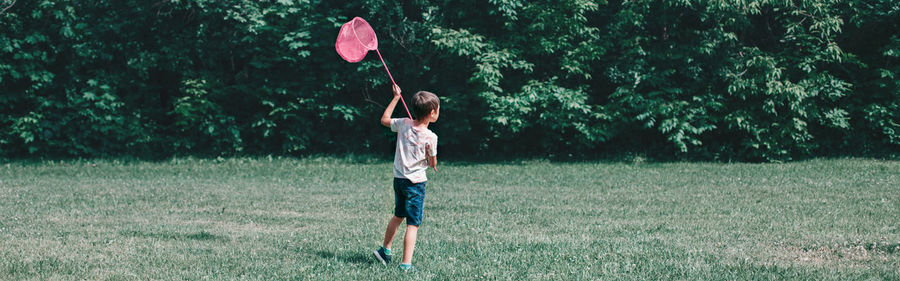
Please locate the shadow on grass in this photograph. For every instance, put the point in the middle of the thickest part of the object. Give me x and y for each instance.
(347, 257)
(201, 236)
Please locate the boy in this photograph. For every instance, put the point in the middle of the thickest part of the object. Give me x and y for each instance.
(416, 150)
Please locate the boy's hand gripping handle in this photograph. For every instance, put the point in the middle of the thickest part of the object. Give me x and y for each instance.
(395, 83)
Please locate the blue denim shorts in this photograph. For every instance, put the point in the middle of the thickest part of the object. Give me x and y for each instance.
(409, 198)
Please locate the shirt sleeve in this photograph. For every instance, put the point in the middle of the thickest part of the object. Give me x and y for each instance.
(395, 124)
(433, 146)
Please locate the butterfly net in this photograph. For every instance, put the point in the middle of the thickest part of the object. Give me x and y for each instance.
(355, 40)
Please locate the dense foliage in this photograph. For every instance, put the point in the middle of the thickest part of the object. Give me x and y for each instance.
(748, 80)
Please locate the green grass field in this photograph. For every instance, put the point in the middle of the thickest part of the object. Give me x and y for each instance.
(319, 219)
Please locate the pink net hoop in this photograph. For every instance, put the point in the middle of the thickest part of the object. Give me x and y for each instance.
(355, 39)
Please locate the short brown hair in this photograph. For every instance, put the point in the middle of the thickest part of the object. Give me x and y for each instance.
(424, 102)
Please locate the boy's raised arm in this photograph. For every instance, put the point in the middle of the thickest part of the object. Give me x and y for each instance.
(386, 117)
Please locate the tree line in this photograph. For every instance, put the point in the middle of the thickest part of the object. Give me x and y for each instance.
(742, 80)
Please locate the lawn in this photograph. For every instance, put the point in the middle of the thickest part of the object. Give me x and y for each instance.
(320, 218)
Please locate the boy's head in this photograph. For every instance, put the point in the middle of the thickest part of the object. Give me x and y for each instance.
(426, 106)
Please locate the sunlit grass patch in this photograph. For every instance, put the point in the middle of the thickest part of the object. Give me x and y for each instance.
(320, 219)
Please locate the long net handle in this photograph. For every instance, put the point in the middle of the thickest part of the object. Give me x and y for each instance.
(395, 83)
(401, 96)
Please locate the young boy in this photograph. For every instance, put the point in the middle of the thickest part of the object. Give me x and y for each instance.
(416, 150)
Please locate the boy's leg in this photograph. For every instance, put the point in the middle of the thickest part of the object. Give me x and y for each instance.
(383, 254)
(409, 243)
(414, 208)
(392, 226)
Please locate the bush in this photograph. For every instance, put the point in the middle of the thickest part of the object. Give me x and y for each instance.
(754, 80)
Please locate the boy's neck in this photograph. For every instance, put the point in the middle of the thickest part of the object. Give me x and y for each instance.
(423, 124)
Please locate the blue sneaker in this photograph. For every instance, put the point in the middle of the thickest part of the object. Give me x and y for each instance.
(406, 267)
(382, 255)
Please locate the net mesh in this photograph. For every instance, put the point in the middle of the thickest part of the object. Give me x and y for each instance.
(365, 33)
(355, 40)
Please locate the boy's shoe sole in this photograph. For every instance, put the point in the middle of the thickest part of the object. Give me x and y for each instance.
(378, 257)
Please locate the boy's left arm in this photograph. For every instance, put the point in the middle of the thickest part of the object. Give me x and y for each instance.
(386, 116)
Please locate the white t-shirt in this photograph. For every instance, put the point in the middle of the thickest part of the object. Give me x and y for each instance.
(409, 159)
